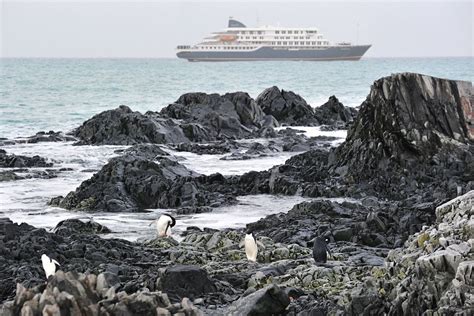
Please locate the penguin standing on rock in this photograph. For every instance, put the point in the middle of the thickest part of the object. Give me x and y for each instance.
(49, 265)
(321, 250)
(164, 224)
(251, 248)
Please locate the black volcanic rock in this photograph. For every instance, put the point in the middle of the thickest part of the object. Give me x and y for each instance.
(50, 136)
(287, 107)
(233, 115)
(409, 118)
(182, 280)
(271, 300)
(412, 141)
(134, 183)
(19, 161)
(335, 114)
(122, 126)
(75, 225)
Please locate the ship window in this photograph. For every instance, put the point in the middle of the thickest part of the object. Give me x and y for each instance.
(283, 32)
(259, 32)
(261, 37)
(250, 32)
(284, 43)
(277, 32)
(313, 43)
(243, 32)
(247, 37)
(290, 32)
(295, 37)
(319, 43)
(278, 43)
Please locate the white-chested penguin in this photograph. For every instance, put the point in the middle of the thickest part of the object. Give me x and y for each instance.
(164, 224)
(49, 265)
(251, 247)
(321, 250)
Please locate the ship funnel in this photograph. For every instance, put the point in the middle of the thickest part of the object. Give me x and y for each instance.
(235, 23)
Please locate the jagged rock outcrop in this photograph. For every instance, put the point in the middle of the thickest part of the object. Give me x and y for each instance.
(287, 107)
(410, 141)
(268, 301)
(232, 115)
(334, 113)
(133, 183)
(22, 247)
(122, 126)
(434, 272)
(89, 294)
(175, 281)
(18, 161)
(80, 226)
(408, 118)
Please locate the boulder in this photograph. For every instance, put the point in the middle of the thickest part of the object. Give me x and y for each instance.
(19, 161)
(133, 183)
(287, 107)
(334, 113)
(88, 226)
(408, 119)
(270, 300)
(233, 115)
(185, 281)
(122, 126)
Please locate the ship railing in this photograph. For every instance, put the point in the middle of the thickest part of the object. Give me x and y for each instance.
(183, 47)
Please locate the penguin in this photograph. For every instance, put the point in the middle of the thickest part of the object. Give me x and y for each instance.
(49, 265)
(321, 250)
(251, 247)
(164, 224)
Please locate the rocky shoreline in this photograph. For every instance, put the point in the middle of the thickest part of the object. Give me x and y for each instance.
(400, 249)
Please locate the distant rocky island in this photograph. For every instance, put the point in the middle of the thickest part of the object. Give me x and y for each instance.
(406, 247)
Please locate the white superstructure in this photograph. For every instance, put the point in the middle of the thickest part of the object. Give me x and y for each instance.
(265, 40)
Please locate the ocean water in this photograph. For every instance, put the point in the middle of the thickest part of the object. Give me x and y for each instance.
(59, 94)
(26, 200)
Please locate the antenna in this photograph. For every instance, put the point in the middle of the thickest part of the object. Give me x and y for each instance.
(357, 34)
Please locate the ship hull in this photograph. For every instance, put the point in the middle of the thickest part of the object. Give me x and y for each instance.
(270, 53)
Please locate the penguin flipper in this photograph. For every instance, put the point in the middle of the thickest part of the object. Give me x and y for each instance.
(241, 244)
(259, 244)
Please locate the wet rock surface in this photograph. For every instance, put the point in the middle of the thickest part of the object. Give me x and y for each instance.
(80, 226)
(333, 113)
(208, 272)
(122, 126)
(134, 183)
(402, 245)
(287, 107)
(39, 137)
(19, 161)
(397, 148)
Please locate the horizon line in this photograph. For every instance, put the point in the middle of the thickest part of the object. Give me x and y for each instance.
(175, 58)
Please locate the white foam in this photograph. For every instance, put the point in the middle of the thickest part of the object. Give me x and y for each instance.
(314, 131)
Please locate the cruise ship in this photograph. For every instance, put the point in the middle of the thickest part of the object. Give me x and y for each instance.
(240, 43)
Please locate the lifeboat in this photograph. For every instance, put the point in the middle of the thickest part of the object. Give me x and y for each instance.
(227, 38)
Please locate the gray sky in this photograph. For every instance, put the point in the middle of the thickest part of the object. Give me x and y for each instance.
(153, 29)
